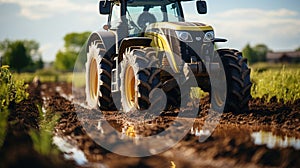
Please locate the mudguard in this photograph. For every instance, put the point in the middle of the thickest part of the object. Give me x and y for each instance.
(106, 41)
(133, 41)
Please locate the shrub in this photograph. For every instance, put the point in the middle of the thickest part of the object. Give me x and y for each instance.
(10, 91)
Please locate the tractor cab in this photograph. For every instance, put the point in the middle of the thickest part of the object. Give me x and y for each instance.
(133, 16)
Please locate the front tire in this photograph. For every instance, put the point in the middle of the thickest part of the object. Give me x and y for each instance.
(140, 80)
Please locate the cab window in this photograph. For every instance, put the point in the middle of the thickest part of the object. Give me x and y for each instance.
(115, 16)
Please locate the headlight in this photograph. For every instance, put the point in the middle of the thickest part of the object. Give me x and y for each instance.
(209, 36)
(184, 36)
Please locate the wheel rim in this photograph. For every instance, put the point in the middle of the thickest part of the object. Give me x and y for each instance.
(93, 79)
(130, 87)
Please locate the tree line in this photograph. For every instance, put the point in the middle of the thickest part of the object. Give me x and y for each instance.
(21, 55)
(66, 58)
(24, 55)
(257, 53)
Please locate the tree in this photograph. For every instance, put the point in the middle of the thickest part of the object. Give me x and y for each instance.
(261, 51)
(21, 55)
(258, 53)
(298, 49)
(17, 56)
(39, 63)
(66, 58)
(249, 53)
(74, 41)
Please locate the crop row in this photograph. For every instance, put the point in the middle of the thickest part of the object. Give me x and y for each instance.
(281, 83)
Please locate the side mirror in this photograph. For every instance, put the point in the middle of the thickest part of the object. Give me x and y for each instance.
(104, 7)
(201, 7)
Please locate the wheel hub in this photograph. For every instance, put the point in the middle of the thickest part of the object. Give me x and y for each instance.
(130, 87)
(93, 78)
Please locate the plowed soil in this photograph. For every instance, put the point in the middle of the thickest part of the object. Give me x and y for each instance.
(230, 145)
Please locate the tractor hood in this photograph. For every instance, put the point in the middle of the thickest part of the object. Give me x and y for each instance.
(188, 26)
(175, 38)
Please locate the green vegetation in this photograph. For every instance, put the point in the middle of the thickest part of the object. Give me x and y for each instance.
(3, 123)
(46, 75)
(42, 138)
(14, 91)
(65, 59)
(11, 91)
(263, 66)
(21, 55)
(258, 53)
(275, 80)
(197, 92)
(78, 79)
(270, 80)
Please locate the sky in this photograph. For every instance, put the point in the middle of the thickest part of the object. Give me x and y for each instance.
(275, 23)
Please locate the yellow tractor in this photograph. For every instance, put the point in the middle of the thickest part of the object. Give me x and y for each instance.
(146, 45)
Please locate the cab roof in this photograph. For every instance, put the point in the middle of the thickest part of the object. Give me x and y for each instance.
(151, 2)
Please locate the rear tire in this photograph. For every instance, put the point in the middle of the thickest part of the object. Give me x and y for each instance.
(140, 81)
(237, 79)
(98, 79)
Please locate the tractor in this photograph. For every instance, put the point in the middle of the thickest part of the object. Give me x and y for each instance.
(146, 46)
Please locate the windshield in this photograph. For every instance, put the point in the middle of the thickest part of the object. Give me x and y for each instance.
(139, 16)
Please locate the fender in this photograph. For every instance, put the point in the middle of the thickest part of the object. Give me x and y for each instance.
(133, 41)
(106, 41)
(161, 41)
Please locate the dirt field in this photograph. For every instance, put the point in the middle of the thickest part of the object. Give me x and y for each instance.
(268, 136)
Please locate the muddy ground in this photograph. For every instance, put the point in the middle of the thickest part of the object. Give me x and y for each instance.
(267, 136)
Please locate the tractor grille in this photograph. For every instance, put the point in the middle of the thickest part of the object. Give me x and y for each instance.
(189, 49)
